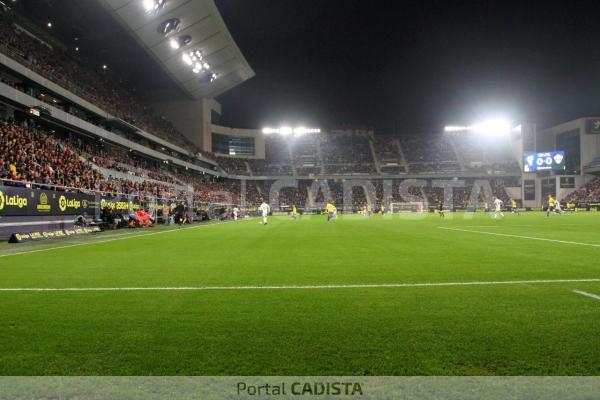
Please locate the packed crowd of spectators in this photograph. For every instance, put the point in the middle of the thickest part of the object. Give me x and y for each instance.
(32, 155)
(387, 149)
(234, 166)
(266, 168)
(590, 193)
(90, 82)
(346, 149)
(348, 152)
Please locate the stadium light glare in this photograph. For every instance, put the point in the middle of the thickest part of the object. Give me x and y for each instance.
(492, 127)
(453, 128)
(299, 131)
(187, 59)
(286, 131)
(154, 5)
(181, 41)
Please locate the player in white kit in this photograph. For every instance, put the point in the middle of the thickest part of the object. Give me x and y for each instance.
(264, 207)
(498, 208)
(236, 212)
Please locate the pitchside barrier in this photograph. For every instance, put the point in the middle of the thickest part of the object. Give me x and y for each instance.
(42, 212)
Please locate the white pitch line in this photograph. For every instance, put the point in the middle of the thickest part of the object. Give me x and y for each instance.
(114, 238)
(581, 292)
(521, 237)
(302, 287)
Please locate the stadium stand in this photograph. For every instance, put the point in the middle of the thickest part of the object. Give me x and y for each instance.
(234, 166)
(100, 88)
(389, 155)
(306, 155)
(41, 156)
(429, 154)
(475, 158)
(31, 155)
(277, 160)
(347, 152)
(590, 193)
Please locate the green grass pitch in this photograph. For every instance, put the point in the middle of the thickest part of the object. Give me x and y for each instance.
(535, 328)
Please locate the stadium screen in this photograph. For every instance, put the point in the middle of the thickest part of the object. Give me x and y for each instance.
(551, 160)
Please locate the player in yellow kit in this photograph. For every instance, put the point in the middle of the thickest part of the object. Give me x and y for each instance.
(551, 205)
(513, 207)
(331, 211)
(294, 212)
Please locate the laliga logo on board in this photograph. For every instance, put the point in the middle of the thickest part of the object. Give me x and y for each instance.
(15, 201)
(63, 203)
(558, 158)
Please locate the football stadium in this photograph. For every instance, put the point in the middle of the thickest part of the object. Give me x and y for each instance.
(168, 210)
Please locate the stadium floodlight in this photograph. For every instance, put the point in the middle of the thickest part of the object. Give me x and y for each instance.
(299, 131)
(453, 128)
(180, 41)
(154, 5)
(286, 131)
(303, 131)
(492, 127)
(49, 24)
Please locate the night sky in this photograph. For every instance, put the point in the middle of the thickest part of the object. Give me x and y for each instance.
(414, 66)
(404, 67)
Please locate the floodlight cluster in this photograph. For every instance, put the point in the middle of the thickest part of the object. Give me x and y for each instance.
(154, 5)
(491, 127)
(286, 131)
(181, 41)
(196, 61)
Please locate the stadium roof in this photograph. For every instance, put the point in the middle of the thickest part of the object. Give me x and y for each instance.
(201, 20)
